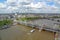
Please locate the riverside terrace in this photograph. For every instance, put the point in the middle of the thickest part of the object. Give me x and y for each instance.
(43, 23)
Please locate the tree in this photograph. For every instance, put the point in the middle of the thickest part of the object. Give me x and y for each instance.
(5, 22)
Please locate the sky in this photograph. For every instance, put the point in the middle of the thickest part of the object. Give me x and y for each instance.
(30, 6)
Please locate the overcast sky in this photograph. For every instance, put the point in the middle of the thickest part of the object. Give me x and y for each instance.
(30, 6)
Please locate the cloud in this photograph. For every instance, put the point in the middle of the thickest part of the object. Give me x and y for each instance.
(2, 5)
(40, 6)
(12, 8)
(11, 1)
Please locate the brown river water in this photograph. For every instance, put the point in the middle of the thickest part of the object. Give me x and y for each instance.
(20, 32)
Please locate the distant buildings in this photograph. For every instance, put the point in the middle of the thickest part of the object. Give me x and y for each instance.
(4, 17)
(49, 23)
